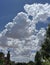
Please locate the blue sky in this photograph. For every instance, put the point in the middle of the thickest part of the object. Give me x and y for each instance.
(23, 34)
(10, 8)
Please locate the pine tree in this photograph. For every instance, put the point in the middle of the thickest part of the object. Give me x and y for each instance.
(38, 59)
(46, 45)
(8, 57)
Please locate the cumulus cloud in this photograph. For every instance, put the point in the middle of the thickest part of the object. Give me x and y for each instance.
(38, 11)
(21, 35)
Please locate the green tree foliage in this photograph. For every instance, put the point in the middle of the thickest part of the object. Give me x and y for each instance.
(46, 45)
(38, 59)
(47, 62)
(31, 63)
(48, 31)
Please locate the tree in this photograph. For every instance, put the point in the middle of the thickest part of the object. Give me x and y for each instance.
(38, 58)
(31, 63)
(46, 45)
(8, 57)
(48, 31)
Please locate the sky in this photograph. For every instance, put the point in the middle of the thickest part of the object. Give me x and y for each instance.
(23, 26)
(10, 8)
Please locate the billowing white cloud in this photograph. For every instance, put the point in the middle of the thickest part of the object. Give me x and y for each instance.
(21, 34)
(40, 12)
